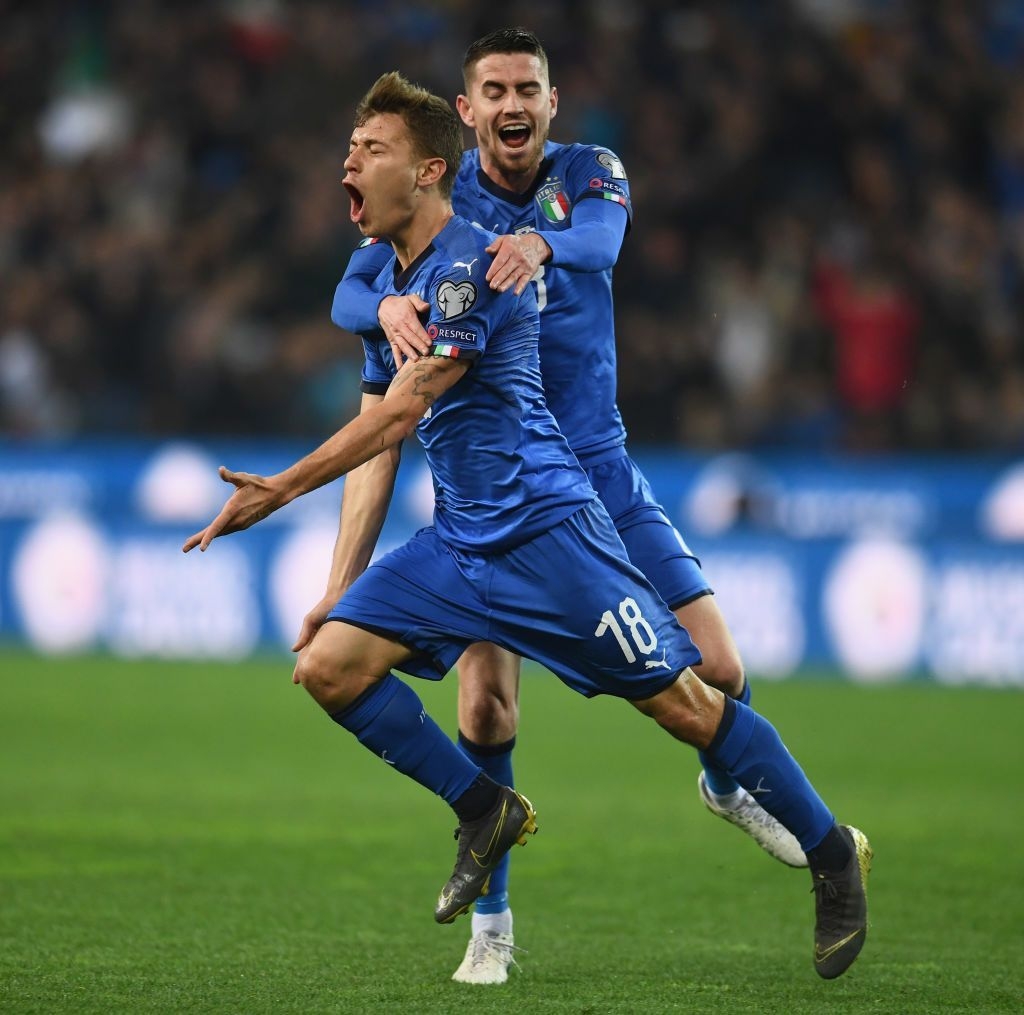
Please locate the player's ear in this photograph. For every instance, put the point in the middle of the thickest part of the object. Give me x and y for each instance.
(430, 171)
(554, 102)
(465, 110)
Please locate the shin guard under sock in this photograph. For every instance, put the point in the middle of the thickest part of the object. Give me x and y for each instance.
(388, 718)
(750, 749)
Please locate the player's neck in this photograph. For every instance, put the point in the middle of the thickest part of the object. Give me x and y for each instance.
(517, 183)
(429, 219)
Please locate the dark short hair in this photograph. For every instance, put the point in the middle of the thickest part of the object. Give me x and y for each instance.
(504, 40)
(434, 128)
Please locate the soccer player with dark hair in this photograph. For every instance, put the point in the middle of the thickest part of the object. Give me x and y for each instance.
(521, 552)
(563, 212)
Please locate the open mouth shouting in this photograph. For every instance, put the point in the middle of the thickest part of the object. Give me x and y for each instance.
(515, 137)
(356, 201)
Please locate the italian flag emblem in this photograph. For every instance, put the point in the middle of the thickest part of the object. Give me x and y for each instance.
(553, 202)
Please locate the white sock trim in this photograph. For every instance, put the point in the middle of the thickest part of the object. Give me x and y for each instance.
(727, 800)
(495, 923)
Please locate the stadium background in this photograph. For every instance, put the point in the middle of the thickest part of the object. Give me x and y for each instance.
(819, 308)
(822, 371)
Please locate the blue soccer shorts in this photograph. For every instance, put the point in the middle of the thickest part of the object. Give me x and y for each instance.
(653, 543)
(568, 599)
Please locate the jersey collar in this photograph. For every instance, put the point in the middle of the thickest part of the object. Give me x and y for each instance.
(510, 196)
(404, 277)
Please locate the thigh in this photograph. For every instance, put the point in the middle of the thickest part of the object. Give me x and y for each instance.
(572, 601)
(417, 597)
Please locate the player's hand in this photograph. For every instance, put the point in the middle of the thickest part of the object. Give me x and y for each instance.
(254, 498)
(399, 318)
(516, 260)
(311, 623)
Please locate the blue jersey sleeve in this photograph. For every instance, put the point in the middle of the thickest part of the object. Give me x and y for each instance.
(378, 367)
(601, 212)
(356, 297)
(462, 315)
(593, 241)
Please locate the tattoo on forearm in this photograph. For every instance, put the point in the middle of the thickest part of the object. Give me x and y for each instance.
(422, 376)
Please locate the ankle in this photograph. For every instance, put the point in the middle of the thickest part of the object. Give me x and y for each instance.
(833, 853)
(481, 796)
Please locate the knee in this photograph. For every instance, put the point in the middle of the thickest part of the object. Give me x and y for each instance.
(487, 717)
(488, 694)
(723, 670)
(314, 676)
(326, 680)
(690, 710)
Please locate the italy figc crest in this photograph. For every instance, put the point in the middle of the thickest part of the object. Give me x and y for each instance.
(553, 202)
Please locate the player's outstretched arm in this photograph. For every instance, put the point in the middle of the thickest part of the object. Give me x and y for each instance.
(414, 390)
(254, 498)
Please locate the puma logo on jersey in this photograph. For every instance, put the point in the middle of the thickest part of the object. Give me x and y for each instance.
(653, 664)
(463, 264)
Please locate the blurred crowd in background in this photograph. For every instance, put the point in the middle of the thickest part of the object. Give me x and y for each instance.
(827, 248)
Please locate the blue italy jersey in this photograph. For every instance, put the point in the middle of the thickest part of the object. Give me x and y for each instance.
(503, 472)
(577, 343)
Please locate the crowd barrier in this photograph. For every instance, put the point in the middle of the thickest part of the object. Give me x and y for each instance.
(873, 568)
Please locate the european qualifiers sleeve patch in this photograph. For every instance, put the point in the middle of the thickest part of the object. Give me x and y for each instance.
(609, 191)
(445, 333)
(611, 162)
(455, 299)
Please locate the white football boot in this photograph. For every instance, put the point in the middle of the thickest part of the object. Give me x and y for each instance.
(487, 959)
(743, 811)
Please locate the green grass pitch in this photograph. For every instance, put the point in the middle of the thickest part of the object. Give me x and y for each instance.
(199, 838)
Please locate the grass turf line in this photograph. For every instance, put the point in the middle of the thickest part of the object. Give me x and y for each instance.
(198, 838)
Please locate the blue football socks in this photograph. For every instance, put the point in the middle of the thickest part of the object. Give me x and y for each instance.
(750, 749)
(388, 719)
(718, 780)
(496, 761)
